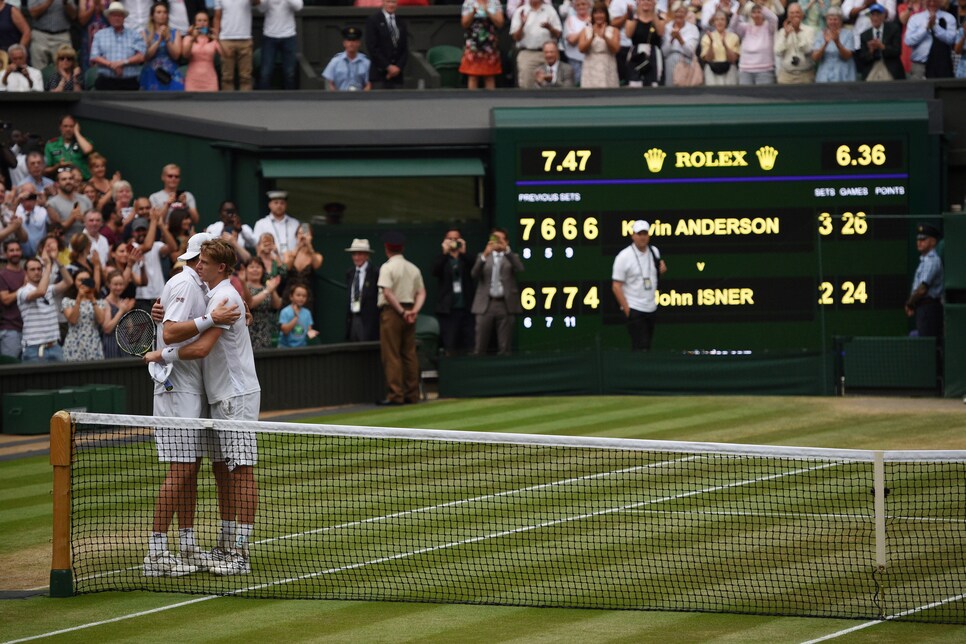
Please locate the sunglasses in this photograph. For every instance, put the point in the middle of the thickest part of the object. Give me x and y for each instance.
(65, 58)
(64, 169)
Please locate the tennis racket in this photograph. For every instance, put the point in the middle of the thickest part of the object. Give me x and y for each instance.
(136, 333)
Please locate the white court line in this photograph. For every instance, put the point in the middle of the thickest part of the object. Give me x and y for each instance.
(807, 515)
(420, 551)
(905, 613)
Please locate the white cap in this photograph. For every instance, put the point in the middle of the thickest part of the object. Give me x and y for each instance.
(194, 246)
(359, 246)
(641, 226)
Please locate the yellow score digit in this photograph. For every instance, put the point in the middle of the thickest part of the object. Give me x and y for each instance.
(824, 224)
(528, 299)
(527, 223)
(584, 158)
(549, 292)
(591, 298)
(825, 293)
(549, 155)
(854, 223)
(854, 292)
(547, 229)
(571, 293)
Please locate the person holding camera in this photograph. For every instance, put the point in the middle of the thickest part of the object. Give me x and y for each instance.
(231, 224)
(793, 43)
(171, 197)
(18, 76)
(302, 261)
(497, 299)
(452, 269)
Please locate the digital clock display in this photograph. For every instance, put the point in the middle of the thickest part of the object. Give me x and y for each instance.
(779, 232)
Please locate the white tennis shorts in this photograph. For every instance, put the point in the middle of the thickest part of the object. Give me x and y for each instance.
(236, 448)
(179, 445)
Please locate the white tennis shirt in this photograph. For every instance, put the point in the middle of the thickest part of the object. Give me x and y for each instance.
(230, 367)
(183, 298)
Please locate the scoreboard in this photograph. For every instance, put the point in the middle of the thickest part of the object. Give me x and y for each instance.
(781, 225)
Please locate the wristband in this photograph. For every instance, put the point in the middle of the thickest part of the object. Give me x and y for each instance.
(204, 323)
(170, 354)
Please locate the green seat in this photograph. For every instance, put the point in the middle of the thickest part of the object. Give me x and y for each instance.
(427, 349)
(47, 73)
(445, 59)
(90, 77)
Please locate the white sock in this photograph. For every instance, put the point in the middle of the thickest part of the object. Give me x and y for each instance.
(241, 537)
(158, 543)
(227, 536)
(186, 539)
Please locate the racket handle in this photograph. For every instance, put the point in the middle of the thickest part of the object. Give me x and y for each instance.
(167, 385)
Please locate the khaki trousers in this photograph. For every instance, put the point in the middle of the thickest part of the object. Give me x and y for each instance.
(397, 343)
(236, 52)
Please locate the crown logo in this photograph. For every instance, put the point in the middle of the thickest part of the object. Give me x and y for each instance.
(766, 157)
(655, 159)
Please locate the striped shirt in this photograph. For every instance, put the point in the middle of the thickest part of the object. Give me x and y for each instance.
(39, 316)
(114, 46)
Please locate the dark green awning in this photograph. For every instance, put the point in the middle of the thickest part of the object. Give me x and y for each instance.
(358, 168)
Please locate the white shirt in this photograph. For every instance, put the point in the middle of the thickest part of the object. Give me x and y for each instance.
(39, 316)
(178, 17)
(230, 366)
(246, 236)
(710, 7)
(17, 83)
(183, 298)
(637, 271)
(862, 21)
(285, 231)
(534, 36)
(279, 17)
(160, 198)
(19, 174)
(152, 268)
(138, 13)
(102, 247)
(236, 19)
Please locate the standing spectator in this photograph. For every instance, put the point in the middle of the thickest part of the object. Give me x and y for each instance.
(100, 246)
(958, 47)
(67, 73)
(553, 72)
(880, 48)
(98, 178)
(38, 309)
(531, 26)
(619, 11)
(264, 303)
(349, 69)
(833, 51)
(267, 254)
(160, 71)
(573, 25)
(233, 26)
(680, 44)
(91, 18)
(635, 276)
(116, 304)
(720, 48)
(199, 48)
(145, 231)
(67, 207)
(35, 220)
(931, 35)
(710, 8)
(85, 316)
(139, 14)
(401, 296)
(35, 175)
(170, 197)
(452, 270)
(50, 20)
(278, 223)
(123, 259)
(756, 66)
(231, 223)
(905, 11)
(117, 52)
(645, 62)
(82, 259)
(858, 13)
(925, 297)
(295, 320)
(179, 225)
(18, 76)
(362, 315)
(815, 11)
(599, 42)
(497, 297)
(278, 35)
(13, 26)
(182, 12)
(793, 46)
(481, 19)
(11, 279)
(13, 158)
(11, 225)
(387, 42)
(302, 262)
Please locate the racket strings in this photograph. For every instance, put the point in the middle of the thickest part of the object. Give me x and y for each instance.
(135, 333)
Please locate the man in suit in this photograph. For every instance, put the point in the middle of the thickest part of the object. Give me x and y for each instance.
(387, 46)
(553, 73)
(880, 47)
(362, 314)
(452, 270)
(497, 298)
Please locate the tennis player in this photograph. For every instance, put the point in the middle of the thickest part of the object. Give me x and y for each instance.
(233, 393)
(185, 304)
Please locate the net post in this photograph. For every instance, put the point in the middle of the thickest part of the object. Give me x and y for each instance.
(878, 478)
(61, 439)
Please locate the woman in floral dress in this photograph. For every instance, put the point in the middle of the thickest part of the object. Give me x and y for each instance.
(481, 57)
(265, 304)
(85, 315)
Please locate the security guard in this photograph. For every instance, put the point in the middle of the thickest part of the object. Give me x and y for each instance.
(925, 298)
(348, 70)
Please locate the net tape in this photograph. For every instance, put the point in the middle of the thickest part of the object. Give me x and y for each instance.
(432, 515)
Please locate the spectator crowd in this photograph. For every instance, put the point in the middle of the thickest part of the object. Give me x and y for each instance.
(189, 45)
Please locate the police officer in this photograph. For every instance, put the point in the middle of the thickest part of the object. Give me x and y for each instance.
(348, 70)
(925, 298)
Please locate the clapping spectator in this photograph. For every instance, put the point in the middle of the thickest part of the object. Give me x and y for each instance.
(295, 320)
(278, 35)
(553, 72)
(160, 71)
(83, 259)
(793, 46)
(85, 317)
(680, 44)
(532, 25)
(756, 65)
(720, 49)
(599, 42)
(577, 19)
(645, 62)
(906, 11)
(116, 304)
(124, 258)
(199, 48)
(13, 26)
(481, 19)
(815, 11)
(268, 255)
(931, 34)
(34, 217)
(98, 180)
(67, 73)
(18, 76)
(880, 48)
(833, 51)
(265, 301)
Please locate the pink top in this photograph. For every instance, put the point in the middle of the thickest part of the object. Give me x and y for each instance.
(201, 75)
(757, 42)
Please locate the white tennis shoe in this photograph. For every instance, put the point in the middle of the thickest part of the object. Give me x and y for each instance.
(235, 564)
(198, 558)
(166, 565)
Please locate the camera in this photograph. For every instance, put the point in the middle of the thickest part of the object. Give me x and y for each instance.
(228, 230)
(454, 244)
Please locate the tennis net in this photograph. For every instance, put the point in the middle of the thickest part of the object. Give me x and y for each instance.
(367, 513)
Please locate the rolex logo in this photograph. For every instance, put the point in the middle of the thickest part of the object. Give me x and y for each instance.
(655, 159)
(766, 157)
